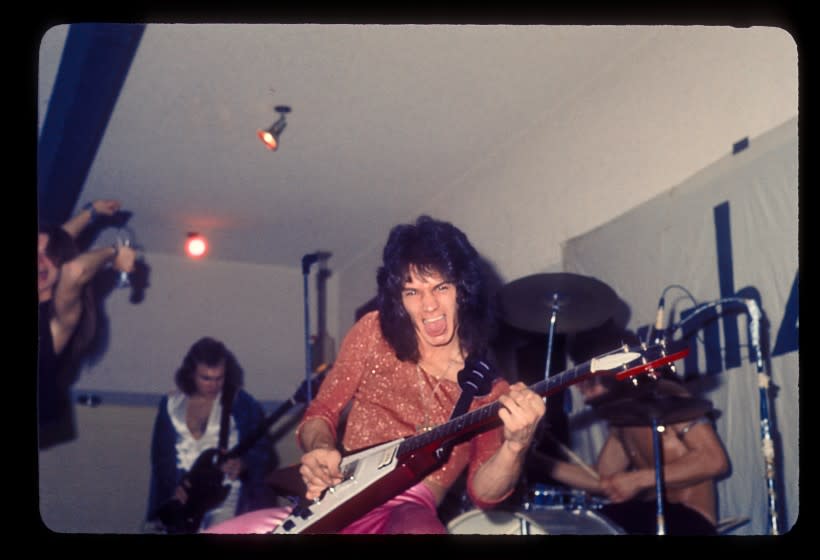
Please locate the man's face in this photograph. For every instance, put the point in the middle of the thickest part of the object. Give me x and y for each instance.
(47, 271)
(431, 303)
(209, 379)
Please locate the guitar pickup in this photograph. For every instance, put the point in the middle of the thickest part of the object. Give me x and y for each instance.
(301, 511)
(388, 456)
(348, 470)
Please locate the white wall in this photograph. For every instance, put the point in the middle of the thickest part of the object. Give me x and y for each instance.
(257, 311)
(656, 118)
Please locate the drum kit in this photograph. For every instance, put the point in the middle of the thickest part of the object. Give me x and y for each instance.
(571, 303)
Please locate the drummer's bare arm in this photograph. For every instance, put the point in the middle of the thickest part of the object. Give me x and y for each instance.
(611, 459)
(571, 474)
(705, 458)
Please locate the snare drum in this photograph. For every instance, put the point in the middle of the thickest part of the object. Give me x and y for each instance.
(562, 511)
(549, 497)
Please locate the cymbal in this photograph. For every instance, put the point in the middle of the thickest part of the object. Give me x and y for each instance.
(580, 302)
(646, 409)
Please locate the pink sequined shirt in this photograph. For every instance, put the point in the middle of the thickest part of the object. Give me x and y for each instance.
(392, 399)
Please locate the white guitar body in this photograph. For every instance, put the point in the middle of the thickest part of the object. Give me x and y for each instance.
(359, 471)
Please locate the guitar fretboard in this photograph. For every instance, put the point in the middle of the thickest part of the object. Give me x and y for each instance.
(487, 415)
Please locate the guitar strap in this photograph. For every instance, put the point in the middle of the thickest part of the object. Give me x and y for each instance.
(475, 380)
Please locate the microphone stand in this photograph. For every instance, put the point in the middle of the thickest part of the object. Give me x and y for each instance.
(763, 379)
(765, 430)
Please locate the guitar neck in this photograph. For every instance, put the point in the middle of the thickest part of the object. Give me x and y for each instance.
(487, 415)
(613, 363)
(243, 446)
(298, 398)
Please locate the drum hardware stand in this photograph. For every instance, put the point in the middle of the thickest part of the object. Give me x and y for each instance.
(657, 429)
(555, 307)
(656, 444)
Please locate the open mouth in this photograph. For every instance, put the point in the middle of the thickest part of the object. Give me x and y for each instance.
(435, 326)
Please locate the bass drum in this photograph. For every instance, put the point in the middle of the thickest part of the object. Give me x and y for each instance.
(578, 521)
(494, 522)
(544, 521)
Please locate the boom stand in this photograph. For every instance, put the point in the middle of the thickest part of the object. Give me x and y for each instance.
(765, 428)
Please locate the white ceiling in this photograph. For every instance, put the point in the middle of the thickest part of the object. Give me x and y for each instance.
(383, 118)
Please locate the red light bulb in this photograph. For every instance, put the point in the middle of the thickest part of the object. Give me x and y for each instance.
(196, 246)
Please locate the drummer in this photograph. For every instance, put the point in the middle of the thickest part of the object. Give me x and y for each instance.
(693, 458)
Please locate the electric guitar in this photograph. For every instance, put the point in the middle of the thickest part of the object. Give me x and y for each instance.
(204, 482)
(376, 474)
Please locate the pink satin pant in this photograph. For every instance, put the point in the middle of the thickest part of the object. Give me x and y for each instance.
(412, 512)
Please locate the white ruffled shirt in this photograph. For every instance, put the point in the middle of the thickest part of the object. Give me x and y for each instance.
(188, 449)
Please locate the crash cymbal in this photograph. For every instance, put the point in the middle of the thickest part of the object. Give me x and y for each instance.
(644, 410)
(581, 302)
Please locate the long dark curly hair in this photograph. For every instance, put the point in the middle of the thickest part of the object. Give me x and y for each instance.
(210, 352)
(433, 246)
(60, 249)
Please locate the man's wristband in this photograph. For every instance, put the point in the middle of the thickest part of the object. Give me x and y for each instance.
(90, 207)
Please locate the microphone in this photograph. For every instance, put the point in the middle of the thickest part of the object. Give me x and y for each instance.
(754, 328)
(659, 321)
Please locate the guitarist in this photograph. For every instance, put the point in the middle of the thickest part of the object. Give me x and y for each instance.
(188, 425)
(398, 369)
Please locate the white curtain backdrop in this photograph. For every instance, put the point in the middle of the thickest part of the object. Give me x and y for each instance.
(731, 231)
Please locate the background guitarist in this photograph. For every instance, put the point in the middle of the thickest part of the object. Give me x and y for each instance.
(398, 370)
(188, 425)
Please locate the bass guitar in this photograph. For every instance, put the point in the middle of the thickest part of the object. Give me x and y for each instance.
(376, 474)
(205, 482)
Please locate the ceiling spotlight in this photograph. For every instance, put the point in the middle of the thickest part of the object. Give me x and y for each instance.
(195, 245)
(270, 136)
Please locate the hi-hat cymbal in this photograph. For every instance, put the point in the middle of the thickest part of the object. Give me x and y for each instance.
(580, 302)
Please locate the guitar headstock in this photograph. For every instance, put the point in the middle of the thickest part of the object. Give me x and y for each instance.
(627, 362)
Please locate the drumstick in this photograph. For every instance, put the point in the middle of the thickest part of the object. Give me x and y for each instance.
(575, 458)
